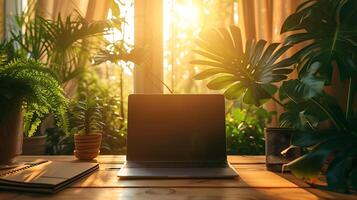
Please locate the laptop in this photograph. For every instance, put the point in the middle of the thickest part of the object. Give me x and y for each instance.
(176, 136)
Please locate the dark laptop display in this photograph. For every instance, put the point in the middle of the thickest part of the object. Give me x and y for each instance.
(159, 129)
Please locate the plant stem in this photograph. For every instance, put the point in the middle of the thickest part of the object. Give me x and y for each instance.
(277, 101)
(228, 110)
(121, 86)
(162, 82)
(349, 100)
(328, 113)
(247, 113)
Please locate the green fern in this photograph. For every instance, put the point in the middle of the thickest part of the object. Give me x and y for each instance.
(39, 90)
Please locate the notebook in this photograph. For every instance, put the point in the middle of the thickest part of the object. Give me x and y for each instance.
(45, 176)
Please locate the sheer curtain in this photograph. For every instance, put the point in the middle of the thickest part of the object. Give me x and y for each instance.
(90, 9)
(2, 19)
(262, 19)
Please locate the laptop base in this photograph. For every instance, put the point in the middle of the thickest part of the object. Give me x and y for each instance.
(176, 173)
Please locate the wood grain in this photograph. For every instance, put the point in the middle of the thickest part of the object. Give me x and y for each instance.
(255, 182)
(248, 177)
(183, 193)
(119, 159)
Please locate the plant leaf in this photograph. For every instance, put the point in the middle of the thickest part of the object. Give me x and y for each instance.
(210, 72)
(221, 82)
(310, 138)
(329, 28)
(252, 68)
(337, 173)
(235, 91)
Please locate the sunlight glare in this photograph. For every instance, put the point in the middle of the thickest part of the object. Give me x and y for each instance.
(126, 34)
(187, 13)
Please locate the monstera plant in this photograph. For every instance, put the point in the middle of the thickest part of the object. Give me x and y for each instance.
(248, 74)
(326, 33)
(329, 32)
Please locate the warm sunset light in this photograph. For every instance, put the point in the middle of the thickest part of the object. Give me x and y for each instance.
(188, 13)
(178, 99)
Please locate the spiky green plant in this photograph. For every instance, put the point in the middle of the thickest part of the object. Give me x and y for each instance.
(86, 117)
(86, 111)
(37, 88)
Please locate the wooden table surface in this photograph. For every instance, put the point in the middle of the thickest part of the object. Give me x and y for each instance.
(255, 182)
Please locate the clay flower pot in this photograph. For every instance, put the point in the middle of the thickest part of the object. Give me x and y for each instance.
(11, 135)
(87, 146)
(277, 140)
(35, 145)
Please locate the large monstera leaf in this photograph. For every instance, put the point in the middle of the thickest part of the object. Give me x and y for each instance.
(244, 73)
(329, 32)
(308, 104)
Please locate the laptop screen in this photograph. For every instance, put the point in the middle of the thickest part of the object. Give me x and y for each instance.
(176, 128)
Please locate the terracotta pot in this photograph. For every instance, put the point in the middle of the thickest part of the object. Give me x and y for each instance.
(277, 140)
(35, 145)
(87, 146)
(11, 135)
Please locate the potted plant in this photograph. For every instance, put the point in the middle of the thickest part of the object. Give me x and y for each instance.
(26, 85)
(249, 74)
(64, 45)
(87, 126)
(327, 30)
(34, 142)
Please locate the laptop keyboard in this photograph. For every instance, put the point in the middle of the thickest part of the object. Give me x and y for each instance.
(175, 165)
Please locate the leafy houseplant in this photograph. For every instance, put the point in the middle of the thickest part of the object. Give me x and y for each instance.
(248, 74)
(113, 118)
(329, 29)
(86, 117)
(27, 85)
(112, 109)
(245, 130)
(64, 45)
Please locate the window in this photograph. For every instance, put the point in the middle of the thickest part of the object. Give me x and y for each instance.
(183, 21)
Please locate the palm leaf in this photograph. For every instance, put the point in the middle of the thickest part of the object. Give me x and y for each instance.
(247, 73)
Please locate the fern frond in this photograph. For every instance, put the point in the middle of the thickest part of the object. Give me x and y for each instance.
(40, 90)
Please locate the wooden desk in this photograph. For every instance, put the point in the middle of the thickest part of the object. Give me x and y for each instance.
(254, 183)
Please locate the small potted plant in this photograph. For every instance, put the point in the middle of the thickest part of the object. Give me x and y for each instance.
(26, 85)
(86, 118)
